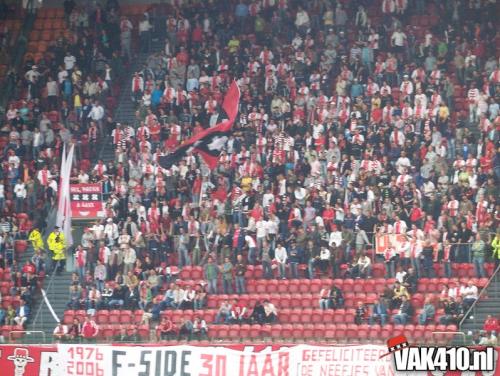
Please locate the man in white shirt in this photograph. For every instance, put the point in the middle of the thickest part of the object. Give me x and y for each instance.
(363, 266)
(261, 232)
(469, 294)
(335, 237)
(144, 33)
(69, 61)
(20, 192)
(252, 249)
(398, 40)
(97, 115)
(111, 231)
(281, 257)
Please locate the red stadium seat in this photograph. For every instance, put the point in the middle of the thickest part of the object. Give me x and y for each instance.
(126, 317)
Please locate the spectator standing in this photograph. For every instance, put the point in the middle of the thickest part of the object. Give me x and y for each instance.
(211, 271)
(239, 270)
(281, 257)
(478, 253)
(226, 270)
(57, 245)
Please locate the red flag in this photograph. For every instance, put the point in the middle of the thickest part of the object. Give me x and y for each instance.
(209, 142)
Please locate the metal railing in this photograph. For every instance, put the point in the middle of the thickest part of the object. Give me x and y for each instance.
(446, 335)
(26, 336)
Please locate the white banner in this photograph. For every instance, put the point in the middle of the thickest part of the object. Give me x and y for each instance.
(300, 360)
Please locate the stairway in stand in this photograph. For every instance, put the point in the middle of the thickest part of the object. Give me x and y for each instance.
(125, 111)
(488, 304)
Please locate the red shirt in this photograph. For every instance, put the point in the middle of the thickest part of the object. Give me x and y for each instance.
(491, 324)
(89, 329)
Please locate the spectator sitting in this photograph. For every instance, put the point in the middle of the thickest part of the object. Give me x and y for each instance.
(165, 329)
(410, 281)
(122, 336)
(200, 298)
(200, 328)
(22, 314)
(379, 312)
(271, 313)
(238, 312)
(185, 329)
(10, 315)
(188, 298)
(454, 311)
(469, 294)
(60, 333)
(398, 292)
(224, 313)
(337, 297)
(360, 314)
(131, 298)
(90, 330)
(258, 313)
(116, 300)
(362, 268)
(93, 299)
(404, 313)
(428, 312)
(75, 330)
(491, 324)
(75, 297)
(325, 298)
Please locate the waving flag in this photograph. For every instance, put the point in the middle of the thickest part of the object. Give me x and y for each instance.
(210, 142)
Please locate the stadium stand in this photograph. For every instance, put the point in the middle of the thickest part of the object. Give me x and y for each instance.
(354, 200)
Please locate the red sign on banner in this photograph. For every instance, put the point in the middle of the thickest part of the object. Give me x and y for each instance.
(86, 201)
(29, 360)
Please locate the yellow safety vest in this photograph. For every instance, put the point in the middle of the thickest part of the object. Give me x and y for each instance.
(36, 240)
(57, 247)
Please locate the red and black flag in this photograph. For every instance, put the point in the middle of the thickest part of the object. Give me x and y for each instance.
(208, 143)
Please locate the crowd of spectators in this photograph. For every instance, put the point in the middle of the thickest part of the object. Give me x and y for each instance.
(357, 119)
(346, 130)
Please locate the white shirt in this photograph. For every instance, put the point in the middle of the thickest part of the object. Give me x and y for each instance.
(398, 38)
(144, 26)
(20, 190)
(97, 113)
(272, 226)
(261, 227)
(250, 241)
(280, 255)
(61, 76)
(335, 238)
(69, 62)
(469, 292)
(51, 88)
